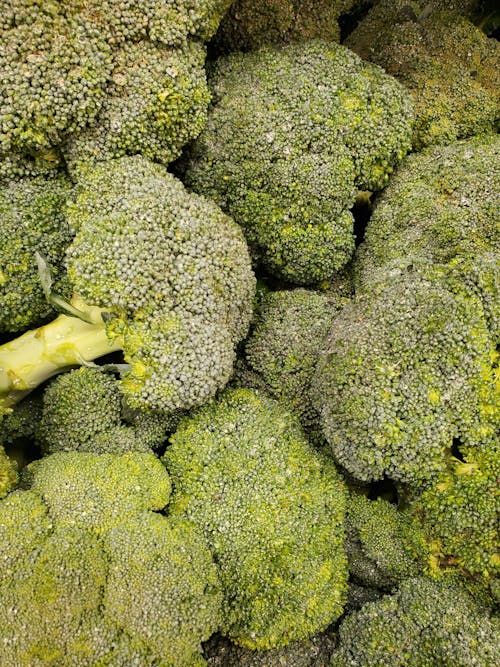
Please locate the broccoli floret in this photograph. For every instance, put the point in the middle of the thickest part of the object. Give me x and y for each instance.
(289, 332)
(249, 24)
(23, 421)
(384, 545)
(292, 132)
(441, 206)
(447, 63)
(95, 575)
(83, 410)
(31, 219)
(8, 473)
(169, 281)
(54, 69)
(156, 102)
(271, 510)
(408, 367)
(459, 512)
(424, 624)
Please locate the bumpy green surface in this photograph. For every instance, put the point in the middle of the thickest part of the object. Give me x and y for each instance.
(460, 513)
(8, 473)
(288, 334)
(407, 368)
(384, 545)
(156, 102)
(271, 510)
(425, 624)
(83, 410)
(292, 132)
(31, 219)
(95, 574)
(175, 272)
(448, 64)
(251, 23)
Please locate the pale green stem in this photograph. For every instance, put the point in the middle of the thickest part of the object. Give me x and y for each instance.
(38, 355)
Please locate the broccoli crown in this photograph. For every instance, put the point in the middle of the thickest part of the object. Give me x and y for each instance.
(249, 24)
(292, 132)
(384, 545)
(83, 410)
(22, 422)
(407, 368)
(173, 271)
(95, 574)
(459, 512)
(424, 624)
(448, 64)
(31, 219)
(441, 206)
(8, 473)
(271, 510)
(156, 102)
(284, 346)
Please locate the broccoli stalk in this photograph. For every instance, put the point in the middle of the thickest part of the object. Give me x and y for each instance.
(39, 354)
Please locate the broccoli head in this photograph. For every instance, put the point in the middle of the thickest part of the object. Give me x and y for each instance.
(95, 575)
(31, 219)
(249, 24)
(168, 279)
(447, 63)
(407, 368)
(271, 509)
(291, 134)
(84, 410)
(384, 544)
(426, 623)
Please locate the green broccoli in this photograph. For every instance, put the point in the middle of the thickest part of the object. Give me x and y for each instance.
(384, 545)
(84, 410)
(425, 624)
(447, 63)
(31, 219)
(289, 332)
(249, 24)
(8, 473)
(168, 279)
(271, 509)
(407, 368)
(292, 133)
(95, 575)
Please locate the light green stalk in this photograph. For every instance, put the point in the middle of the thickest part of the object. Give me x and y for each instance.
(39, 354)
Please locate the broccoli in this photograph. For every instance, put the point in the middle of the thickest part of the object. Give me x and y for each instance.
(291, 134)
(84, 410)
(424, 624)
(288, 333)
(168, 279)
(31, 219)
(91, 79)
(8, 473)
(95, 575)
(249, 24)
(447, 63)
(408, 367)
(384, 545)
(271, 509)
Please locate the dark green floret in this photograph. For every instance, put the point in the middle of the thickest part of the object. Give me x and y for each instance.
(424, 624)
(271, 509)
(96, 574)
(448, 64)
(8, 473)
(164, 276)
(31, 219)
(292, 132)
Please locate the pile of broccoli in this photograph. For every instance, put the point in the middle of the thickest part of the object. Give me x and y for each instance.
(249, 333)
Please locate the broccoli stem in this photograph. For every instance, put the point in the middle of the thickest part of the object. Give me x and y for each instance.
(39, 354)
